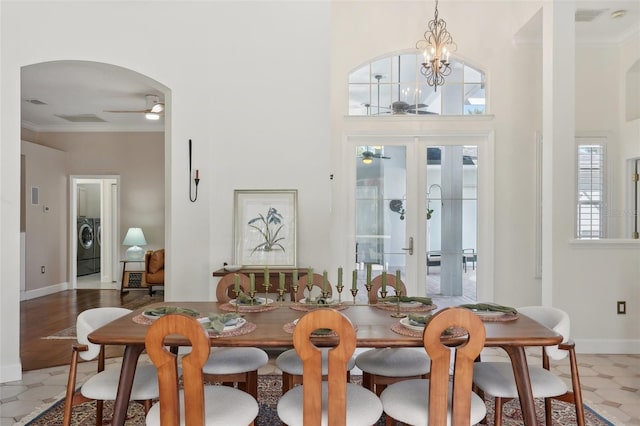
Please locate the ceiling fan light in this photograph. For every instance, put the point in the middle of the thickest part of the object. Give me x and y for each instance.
(367, 160)
(152, 116)
(157, 108)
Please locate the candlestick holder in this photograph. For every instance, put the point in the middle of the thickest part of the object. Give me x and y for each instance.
(383, 293)
(354, 292)
(294, 287)
(252, 296)
(325, 294)
(280, 294)
(266, 291)
(237, 293)
(368, 287)
(397, 313)
(339, 288)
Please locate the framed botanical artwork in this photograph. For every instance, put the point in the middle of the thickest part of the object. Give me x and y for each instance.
(265, 228)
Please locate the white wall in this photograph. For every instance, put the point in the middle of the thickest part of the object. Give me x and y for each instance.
(46, 231)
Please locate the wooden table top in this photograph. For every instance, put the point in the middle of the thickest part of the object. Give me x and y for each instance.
(373, 329)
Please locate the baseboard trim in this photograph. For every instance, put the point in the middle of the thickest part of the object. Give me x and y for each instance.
(44, 291)
(608, 346)
(11, 373)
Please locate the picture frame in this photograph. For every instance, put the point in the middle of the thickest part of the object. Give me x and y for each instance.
(265, 228)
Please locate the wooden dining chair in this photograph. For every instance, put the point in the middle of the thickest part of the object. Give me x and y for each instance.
(497, 379)
(196, 403)
(235, 365)
(316, 281)
(333, 402)
(382, 367)
(224, 290)
(103, 386)
(437, 401)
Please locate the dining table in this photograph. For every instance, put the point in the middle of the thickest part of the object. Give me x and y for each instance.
(268, 328)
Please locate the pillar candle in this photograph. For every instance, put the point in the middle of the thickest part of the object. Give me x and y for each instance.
(295, 276)
(236, 282)
(384, 280)
(368, 273)
(340, 275)
(252, 282)
(310, 276)
(354, 280)
(325, 282)
(398, 281)
(266, 277)
(282, 280)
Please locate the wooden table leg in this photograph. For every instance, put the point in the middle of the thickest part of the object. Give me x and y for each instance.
(129, 363)
(523, 383)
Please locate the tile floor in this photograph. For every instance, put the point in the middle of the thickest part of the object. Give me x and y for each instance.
(611, 386)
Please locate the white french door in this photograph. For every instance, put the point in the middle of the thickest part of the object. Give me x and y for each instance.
(418, 208)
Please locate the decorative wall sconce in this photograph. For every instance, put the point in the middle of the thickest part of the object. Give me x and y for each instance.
(196, 178)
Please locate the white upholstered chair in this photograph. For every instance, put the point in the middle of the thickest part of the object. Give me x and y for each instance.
(496, 378)
(103, 386)
(382, 367)
(437, 401)
(196, 403)
(235, 365)
(309, 404)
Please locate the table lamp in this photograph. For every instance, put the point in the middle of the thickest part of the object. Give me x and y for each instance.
(134, 238)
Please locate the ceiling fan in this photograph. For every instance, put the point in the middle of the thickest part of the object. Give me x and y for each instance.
(398, 108)
(368, 155)
(154, 109)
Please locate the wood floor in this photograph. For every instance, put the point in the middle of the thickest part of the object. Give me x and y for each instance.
(44, 316)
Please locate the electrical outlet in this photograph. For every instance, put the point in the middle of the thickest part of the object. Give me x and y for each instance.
(42, 269)
(622, 307)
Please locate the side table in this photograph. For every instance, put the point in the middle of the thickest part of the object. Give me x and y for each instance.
(133, 278)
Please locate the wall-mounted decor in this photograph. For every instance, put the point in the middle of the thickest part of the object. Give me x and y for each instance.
(265, 228)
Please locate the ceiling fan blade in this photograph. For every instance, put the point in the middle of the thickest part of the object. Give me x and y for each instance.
(141, 111)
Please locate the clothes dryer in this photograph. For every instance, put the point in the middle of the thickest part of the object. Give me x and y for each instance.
(97, 229)
(86, 249)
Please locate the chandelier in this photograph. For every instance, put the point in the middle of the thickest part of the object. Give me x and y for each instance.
(436, 47)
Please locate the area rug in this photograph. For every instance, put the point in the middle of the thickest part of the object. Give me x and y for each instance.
(70, 332)
(269, 389)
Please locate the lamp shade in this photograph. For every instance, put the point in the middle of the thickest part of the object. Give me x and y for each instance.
(134, 238)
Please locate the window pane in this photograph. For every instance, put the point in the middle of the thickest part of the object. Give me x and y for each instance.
(456, 75)
(381, 67)
(474, 98)
(380, 99)
(408, 69)
(359, 99)
(590, 197)
(471, 75)
(361, 75)
(451, 99)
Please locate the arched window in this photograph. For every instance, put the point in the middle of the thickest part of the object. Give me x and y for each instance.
(394, 85)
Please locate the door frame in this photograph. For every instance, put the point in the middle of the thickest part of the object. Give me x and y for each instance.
(110, 218)
(416, 151)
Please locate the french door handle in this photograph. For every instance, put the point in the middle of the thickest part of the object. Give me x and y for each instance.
(410, 248)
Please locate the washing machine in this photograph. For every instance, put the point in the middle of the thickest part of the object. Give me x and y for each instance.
(97, 229)
(86, 249)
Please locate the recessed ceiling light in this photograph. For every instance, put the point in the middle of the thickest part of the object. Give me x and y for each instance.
(618, 13)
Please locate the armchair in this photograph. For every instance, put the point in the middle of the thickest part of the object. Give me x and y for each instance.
(154, 268)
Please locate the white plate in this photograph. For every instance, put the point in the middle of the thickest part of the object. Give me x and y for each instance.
(330, 302)
(152, 317)
(232, 268)
(260, 301)
(488, 314)
(239, 323)
(405, 322)
(404, 304)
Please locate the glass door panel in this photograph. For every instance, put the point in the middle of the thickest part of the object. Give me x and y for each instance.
(451, 229)
(380, 211)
